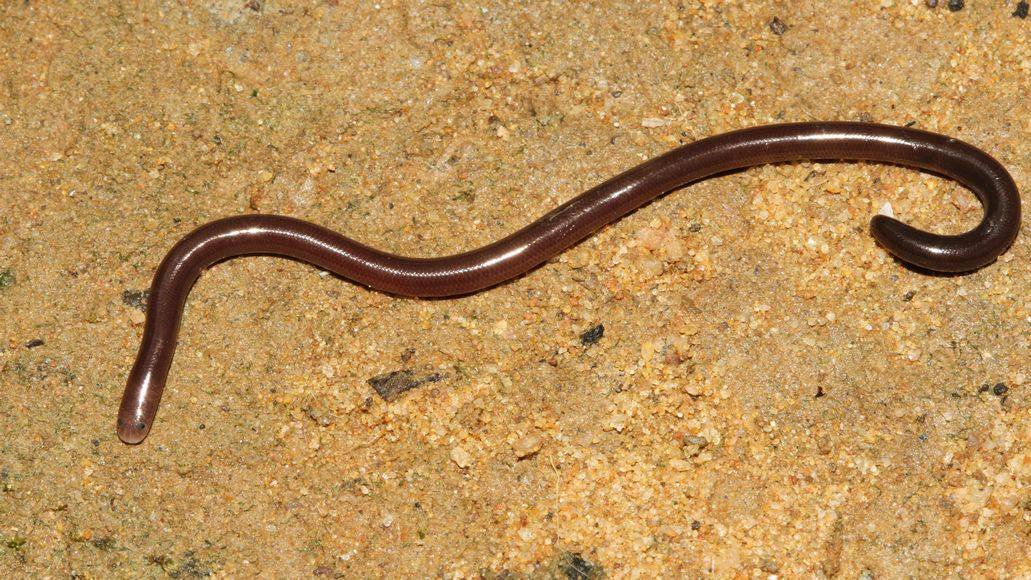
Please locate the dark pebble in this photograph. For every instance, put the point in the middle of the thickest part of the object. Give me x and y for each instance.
(135, 298)
(592, 335)
(769, 566)
(575, 567)
(956, 5)
(1000, 389)
(696, 525)
(1022, 8)
(777, 26)
(6, 279)
(908, 296)
(931, 3)
(190, 566)
(34, 343)
(314, 415)
(104, 544)
(984, 388)
(391, 385)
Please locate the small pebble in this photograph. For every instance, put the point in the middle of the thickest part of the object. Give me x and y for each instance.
(393, 384)
(501, 328)
(956, 5)
(777, 26)
(931, 3)
(674, 250)
(1000, 389)
(135, 298)
(695, 440)
(618, 422)
(592, 335)
(461, 457)
(1022, 9)
(651, 238)
(575, 567)
(6, 279)
(34, 343)
(527, 445)
(327, 370)
(649, 265)
(680, 464)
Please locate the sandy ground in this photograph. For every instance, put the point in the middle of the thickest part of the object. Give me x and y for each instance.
(772, 393)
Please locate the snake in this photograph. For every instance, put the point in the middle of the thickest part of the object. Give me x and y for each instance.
(571, 222)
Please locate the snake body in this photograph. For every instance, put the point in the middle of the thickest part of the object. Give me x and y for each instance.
(570, 223)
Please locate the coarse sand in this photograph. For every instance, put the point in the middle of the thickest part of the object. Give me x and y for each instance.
(734, 380)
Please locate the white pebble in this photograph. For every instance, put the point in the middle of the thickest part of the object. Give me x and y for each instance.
(527, 445)
(652, 122)
(649, 266)
(679, 464)
(461, 457)
(618, 422)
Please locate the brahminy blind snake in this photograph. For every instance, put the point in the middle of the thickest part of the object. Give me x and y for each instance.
(572, 222)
